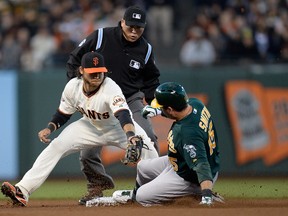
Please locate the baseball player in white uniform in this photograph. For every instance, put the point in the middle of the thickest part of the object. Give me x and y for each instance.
(106, 121)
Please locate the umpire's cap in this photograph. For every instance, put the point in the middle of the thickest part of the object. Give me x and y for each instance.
(93, 62)
(135, 16)
(170, 94)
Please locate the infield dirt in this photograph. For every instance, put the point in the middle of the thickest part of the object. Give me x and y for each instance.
(181, 207)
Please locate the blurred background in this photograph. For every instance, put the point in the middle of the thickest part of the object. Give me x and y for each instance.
(232, 54)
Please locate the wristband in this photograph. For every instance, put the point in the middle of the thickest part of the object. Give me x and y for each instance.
(130, 134)
(207, 193)
(51, 126)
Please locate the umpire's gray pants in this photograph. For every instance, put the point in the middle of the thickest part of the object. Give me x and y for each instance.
(90, 161)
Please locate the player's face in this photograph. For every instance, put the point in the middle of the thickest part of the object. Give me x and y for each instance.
(131, 33)
(93, 80)
(168, 112)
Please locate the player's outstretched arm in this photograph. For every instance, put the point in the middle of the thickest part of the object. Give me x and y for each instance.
(58, 120)
(134, 142)
(206, 187)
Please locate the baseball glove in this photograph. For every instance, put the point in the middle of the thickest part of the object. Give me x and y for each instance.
(133, 150)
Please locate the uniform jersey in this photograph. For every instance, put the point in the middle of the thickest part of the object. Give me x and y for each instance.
(132, 65)
(98, 127)
(193, 145)
(98, 108)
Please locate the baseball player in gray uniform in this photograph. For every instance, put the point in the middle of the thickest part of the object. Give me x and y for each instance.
(192, 163)
(106, 121)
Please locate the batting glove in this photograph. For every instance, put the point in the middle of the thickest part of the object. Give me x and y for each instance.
(206, 197)
(150, 111)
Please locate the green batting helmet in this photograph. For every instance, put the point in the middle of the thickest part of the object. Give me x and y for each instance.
(171, 94)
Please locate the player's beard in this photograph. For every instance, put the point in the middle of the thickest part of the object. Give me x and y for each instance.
(167, 115)
(91, 84)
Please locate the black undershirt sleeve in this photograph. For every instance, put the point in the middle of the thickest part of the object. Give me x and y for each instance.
(60, 118)
(124, 117)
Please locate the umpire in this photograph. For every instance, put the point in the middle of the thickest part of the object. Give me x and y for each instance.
(131, 60)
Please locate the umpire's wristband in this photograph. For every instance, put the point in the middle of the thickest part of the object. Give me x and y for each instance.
(130, 134)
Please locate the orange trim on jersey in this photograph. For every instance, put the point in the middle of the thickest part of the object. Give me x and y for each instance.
(96, 70)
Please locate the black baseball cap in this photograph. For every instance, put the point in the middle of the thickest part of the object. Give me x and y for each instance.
(93, 62)
(135, 16)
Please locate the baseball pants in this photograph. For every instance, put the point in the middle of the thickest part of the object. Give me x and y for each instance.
(160, 183)
(77, 136)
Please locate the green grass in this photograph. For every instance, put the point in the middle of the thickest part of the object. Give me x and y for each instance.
(228, 187)
(253, 187)
(72, 189)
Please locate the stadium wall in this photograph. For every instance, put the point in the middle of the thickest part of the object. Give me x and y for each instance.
(249, 105)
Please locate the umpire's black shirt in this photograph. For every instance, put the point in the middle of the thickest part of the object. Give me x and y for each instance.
(125, 60)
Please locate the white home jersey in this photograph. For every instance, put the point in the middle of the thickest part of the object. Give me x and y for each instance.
(98, 108)
(98, 127)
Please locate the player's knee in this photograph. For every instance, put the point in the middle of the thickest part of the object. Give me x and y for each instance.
(90, 154)
(144, 198)
(57, 146)
(141, 198)
(84, 155)
(143, 165)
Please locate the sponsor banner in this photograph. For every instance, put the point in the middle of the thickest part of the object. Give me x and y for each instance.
(277, 114)
(259, 121)
(248, 117)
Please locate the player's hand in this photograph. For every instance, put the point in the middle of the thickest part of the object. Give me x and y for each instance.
(133, 150)
(43, 135)
(149, 111)
(206, 197)
(206, 201)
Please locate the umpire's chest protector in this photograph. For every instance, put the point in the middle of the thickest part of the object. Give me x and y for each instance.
(124, 59)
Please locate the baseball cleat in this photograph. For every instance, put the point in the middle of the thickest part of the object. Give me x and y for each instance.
(122, 196)
(89, 196)
(95, 191)
(14, 193)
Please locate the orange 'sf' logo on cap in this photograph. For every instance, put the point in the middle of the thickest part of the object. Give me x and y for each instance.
(95, 61)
